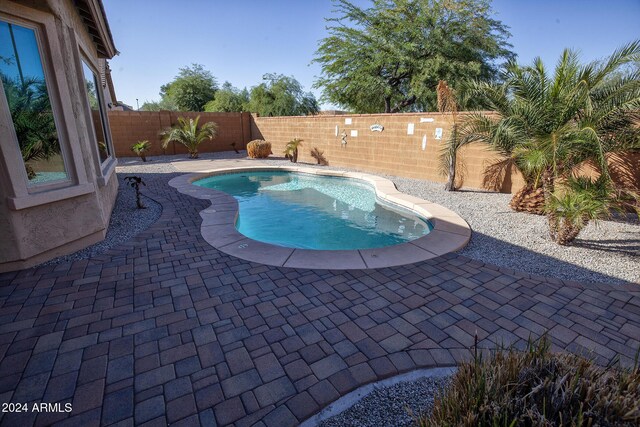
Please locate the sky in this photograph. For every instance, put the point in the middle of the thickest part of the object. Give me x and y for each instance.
(241, 40)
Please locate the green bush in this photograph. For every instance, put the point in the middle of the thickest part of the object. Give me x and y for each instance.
(140, 148)
(538, 388)
(259, 149)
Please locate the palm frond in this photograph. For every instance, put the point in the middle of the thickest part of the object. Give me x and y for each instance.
(187, 133)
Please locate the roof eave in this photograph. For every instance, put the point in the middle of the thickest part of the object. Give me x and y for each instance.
(95, 19)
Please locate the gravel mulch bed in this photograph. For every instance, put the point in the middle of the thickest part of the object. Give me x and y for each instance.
(398, 405)
(126, 220)
(607, 252)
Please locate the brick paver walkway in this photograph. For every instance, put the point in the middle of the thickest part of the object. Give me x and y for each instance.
(166, 329)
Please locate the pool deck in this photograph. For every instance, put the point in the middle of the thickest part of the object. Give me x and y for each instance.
(168, 329)
(450, 232)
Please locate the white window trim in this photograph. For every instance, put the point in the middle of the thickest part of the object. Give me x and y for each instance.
(20, 194)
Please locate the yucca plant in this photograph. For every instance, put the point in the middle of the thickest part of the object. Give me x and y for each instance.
(550, 125)
(536, 387)
(141, 148)
(187, 133)
(291, 149)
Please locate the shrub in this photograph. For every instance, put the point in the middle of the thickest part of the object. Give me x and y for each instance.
(538, 388)
(319, 156)
(140, 148)
(259, 149)
(189, 134)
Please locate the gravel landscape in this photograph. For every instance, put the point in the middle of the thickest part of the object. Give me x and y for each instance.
(398, 405)
(126, 221)
(607, 252)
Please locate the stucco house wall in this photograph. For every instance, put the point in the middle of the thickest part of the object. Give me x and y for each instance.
(40, 222)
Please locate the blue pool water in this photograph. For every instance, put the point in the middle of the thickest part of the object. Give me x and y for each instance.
(314, 212)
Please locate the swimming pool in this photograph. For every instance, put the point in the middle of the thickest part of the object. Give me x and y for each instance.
(297, 210)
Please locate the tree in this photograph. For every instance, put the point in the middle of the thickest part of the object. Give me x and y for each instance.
(228, 99)
(164, 104)
(390, 57)
(191, 89)
(447, 103)
(281, 95)
(550, 125)
(187, 133)
(291, 149)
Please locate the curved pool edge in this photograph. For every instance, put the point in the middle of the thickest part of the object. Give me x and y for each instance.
(450, 232)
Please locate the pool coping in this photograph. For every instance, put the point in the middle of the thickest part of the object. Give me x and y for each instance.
(450, 231)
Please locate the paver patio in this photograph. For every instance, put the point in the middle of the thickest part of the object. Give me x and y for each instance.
(166, 329)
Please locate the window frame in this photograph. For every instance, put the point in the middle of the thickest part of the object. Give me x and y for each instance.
(104, 169)
(20, 194)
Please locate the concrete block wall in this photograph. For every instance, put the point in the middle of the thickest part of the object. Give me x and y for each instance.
(129, 127)
(393, 151)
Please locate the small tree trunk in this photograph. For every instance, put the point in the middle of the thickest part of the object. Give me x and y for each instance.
(528, 199)
(548, 186)
(387, 104)
(567, 233)
(451, 185)
(138, 200)
(295, 156)
(143, 157)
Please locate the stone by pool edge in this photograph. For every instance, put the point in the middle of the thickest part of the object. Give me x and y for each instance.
(450, 232)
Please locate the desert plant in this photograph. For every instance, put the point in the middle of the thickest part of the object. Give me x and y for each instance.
(319, 156)
(187, 133)
(140, 148)
(135, 182)
(291, 149)
(259, 149)
(447, 103)
(582, 200)
(549, 125)
(537, 388)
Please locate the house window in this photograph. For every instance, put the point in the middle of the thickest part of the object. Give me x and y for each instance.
(94, 94)
(25, 88)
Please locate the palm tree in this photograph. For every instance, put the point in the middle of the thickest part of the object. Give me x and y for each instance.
(549, 126)
(447, 103)
(291, 149)
(188, 134)
(141, 148)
